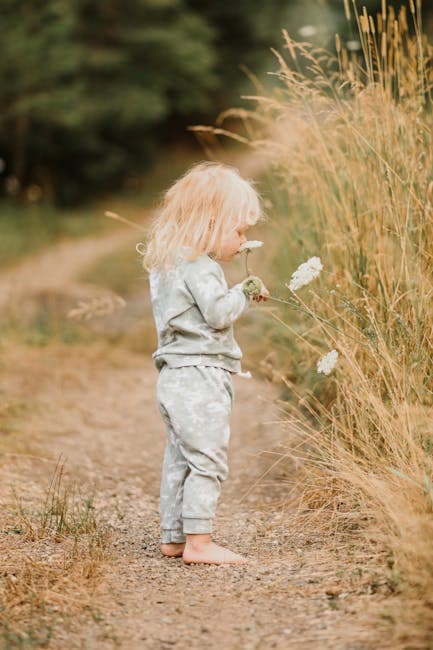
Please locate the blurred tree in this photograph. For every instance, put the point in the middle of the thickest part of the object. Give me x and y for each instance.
(83, 86)
(245, 31)
(144, 59)
(39, 84)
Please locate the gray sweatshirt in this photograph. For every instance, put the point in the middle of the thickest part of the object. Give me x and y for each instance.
(194, 311)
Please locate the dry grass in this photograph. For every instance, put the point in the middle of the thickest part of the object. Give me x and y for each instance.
(53, 557)
(349, 139)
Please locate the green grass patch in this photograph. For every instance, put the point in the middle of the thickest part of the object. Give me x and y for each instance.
(25, 230)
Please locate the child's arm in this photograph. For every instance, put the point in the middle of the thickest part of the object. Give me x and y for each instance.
(220, 306)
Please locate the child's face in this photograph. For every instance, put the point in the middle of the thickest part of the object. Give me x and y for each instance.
(233, 240)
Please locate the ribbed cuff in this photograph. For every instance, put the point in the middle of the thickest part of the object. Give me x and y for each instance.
(172, 535)
(193, 525)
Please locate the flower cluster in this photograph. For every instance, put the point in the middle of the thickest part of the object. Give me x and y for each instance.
(305, 273)
(327, 363)
(248, 245)
(252, 286)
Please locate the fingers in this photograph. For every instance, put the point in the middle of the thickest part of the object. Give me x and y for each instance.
(263, 295)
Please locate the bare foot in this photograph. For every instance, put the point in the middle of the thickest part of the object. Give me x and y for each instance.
(174, 549)
(210, 553)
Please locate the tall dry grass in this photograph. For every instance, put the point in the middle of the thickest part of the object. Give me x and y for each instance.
(349, 141)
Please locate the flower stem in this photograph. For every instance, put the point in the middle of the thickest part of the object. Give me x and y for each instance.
(305, 311)
(246, 263)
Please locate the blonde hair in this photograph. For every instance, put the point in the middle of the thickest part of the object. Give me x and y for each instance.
(198, 210)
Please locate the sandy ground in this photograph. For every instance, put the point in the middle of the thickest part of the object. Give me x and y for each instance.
(95, 406)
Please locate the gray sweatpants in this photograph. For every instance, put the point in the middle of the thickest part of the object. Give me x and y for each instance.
(195, 403)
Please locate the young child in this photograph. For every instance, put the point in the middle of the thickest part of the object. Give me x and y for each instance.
(203, 218)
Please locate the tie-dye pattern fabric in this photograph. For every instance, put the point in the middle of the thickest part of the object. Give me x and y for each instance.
(194, 311)
(195, 403)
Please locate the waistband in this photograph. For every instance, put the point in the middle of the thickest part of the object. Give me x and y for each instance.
(244, 375)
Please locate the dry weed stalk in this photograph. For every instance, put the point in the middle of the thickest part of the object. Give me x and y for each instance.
(96, 307)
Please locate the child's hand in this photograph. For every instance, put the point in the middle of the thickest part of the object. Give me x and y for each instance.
(254, 287)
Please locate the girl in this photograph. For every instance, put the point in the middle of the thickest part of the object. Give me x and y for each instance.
(204, 218)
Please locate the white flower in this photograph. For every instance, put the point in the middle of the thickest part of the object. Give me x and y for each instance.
(305, 273)
(327, 363)
(249, 245)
